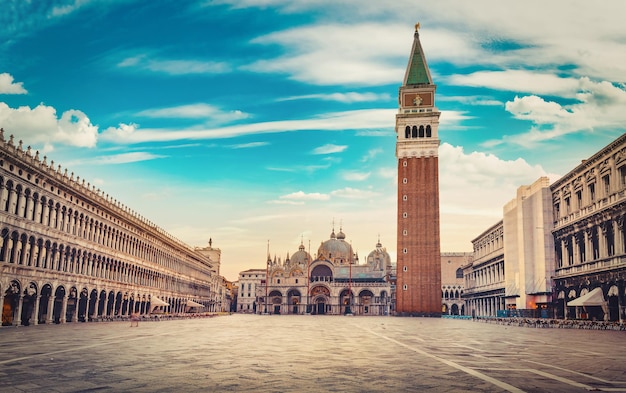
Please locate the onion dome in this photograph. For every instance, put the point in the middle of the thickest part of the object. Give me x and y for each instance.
(336, 250)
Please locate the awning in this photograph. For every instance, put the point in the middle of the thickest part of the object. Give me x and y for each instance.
(593, 298)
(191, 303)
(156, 302)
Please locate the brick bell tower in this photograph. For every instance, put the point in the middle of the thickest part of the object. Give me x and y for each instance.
(418, 289)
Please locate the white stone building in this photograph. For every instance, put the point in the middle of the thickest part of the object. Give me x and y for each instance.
(249, 285)
(69, 252)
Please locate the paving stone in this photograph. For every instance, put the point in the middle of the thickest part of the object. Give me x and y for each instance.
(291, 353)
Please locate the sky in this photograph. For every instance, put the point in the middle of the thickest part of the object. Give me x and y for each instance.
(264, 124)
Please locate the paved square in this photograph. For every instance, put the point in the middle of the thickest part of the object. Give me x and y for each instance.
(290, 353)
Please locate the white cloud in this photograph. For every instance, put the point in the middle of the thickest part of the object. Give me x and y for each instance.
(518, 81)
(356, 176)
(337, 54)
(478, 182)
(40, 125)
(353, 193)
(7, 86)
(329, 149)
(302, 196)
(599, 105)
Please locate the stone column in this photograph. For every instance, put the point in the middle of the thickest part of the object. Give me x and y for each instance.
(18, 318)
(50, 314)
(36, 310)
(63, 316)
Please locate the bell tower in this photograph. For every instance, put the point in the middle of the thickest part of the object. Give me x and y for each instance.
(418, 289)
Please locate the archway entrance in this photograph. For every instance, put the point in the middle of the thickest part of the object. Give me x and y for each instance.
(320, 306)
(28, 303)
(320, 295)
(11, 299)
(44, 301)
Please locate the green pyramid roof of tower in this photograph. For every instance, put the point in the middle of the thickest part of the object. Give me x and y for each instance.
(417, 70)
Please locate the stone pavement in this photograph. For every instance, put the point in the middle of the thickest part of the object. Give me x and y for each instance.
(290, 353)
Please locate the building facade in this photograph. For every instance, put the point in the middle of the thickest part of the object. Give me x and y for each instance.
(417, 145)
(484, 275)
(249, 285)
(529, 249)
(452, 282)
(69, 252)
(589, 210)
(334, 282)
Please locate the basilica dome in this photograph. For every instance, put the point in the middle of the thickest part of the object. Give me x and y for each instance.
(379, 259)
(336, 249)
(300, 257)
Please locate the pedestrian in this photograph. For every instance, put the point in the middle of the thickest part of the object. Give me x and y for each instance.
(134, 319)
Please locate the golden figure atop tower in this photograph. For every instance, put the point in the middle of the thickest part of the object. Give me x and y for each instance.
(417, 26)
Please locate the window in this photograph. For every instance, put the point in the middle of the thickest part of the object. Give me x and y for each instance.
(557, 211)
(404, 181)
(405, 232)
(405, 287)
(407, 132)
(429, 132)
(459, 273)
(579, 199)
(404, 197)
(405, 215)
(606, 183)
(404, 269)
(404, 251)
(592, 192)
(622, 176)
(404, 163)
(567, 206)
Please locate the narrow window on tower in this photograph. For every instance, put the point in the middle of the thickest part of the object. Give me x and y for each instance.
(407, 132)
(405, 164)
(421, 131)
(414, 132)
(405, 215)
(405, 232)
(405, 287)
(404, 181)
(404, 251)
(404, 197)
(405, 269)
(429, 131)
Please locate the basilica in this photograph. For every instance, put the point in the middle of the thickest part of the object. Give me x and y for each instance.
(333, 282)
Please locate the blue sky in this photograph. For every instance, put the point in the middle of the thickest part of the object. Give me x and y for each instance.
(254, 120)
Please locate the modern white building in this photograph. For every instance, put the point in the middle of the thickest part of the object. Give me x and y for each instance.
(529, 248)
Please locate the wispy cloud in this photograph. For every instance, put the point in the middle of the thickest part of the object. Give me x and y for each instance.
(173, 66)
(353, 193)
(472, 100)
(355, 176)
(348, 97)
(125, 158)
(337, 121)
(7, 86)
(248, 145)
(372, 153)
(329, 149)
(194, 111)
